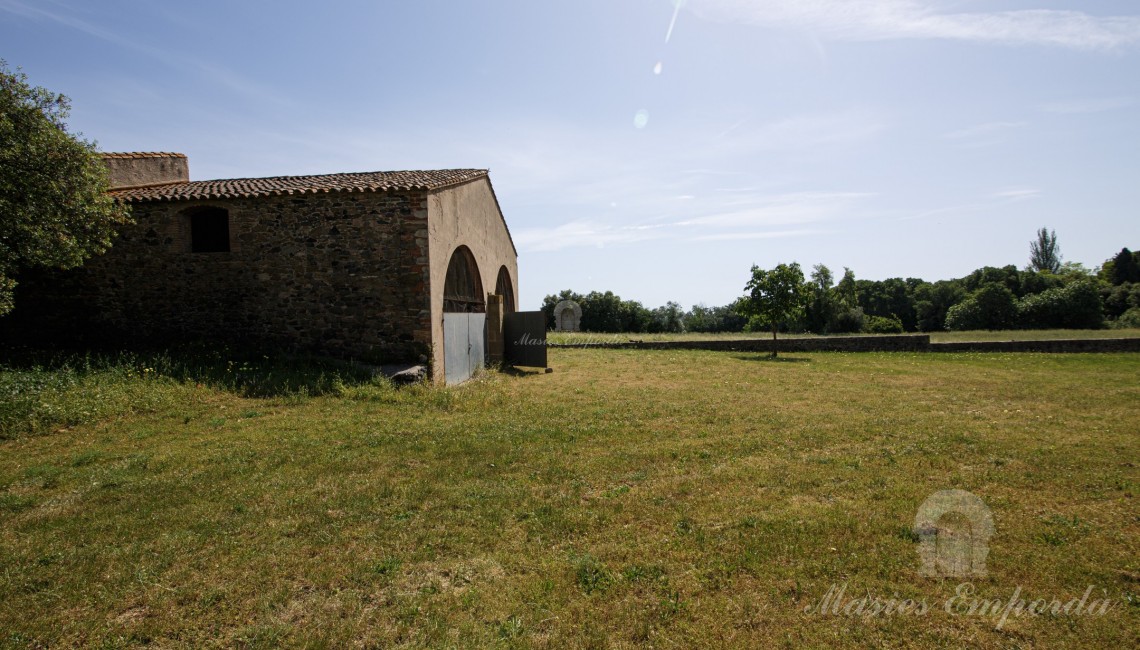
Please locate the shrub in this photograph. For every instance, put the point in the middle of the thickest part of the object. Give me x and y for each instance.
(1076, 306)
(846, 321)
(1128, 320)
(883, 325)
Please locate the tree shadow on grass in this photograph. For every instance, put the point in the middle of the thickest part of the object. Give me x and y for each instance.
(770, 359)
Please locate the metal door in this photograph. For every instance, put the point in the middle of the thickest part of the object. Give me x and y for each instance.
(464, 344)
(524, 338)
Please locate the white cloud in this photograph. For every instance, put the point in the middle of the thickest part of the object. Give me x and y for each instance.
(874, 20)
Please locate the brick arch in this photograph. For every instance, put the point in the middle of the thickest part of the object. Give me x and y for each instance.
(463, 288)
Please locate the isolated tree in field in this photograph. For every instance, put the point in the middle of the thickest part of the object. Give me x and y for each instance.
(776, 297)
(54, 208)
(1044, 253)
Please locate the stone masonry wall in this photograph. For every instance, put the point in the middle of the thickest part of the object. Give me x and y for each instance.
(338, 273)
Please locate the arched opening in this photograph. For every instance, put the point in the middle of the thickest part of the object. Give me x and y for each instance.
(462, 289)
(209, 230)
(505, 288)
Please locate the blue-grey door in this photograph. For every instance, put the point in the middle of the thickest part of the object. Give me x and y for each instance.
(464, 343)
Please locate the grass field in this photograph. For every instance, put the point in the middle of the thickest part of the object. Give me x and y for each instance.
(935, 337)
(631, 498)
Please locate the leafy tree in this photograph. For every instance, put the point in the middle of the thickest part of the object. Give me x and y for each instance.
(1044, 253)
(933, 300)
(846, 291)
(602, 312)
(713, 319)
(890, 298)
(993, 307)
(775, 297)
(822, 304)
(1120, 298)
(1125, 268)
(1007, 275)
(1037, 281)
(669, 318)
(54, 208)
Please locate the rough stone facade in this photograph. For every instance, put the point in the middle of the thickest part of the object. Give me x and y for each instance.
(342, 274)
(349, 272)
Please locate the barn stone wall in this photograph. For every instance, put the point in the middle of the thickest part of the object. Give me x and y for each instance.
(338, 273)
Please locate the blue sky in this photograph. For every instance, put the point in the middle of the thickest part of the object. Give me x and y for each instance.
(643, 147)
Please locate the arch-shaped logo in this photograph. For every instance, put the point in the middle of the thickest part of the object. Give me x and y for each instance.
(567, 316)
(954, 528)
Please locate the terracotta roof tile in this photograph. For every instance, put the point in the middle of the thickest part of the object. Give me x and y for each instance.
(280, 185)
(142, 154)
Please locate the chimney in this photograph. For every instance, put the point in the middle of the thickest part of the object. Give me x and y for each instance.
(145, 169)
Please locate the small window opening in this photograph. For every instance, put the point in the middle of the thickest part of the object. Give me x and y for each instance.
(210, 231)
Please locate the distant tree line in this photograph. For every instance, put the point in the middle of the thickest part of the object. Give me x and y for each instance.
(1047, 294)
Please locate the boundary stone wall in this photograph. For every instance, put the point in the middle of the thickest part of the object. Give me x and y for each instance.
(889, 343)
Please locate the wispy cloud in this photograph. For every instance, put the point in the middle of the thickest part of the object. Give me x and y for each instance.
(767, 217)
(584, 233)
(783, 209)
(987, 129)
(767, 234)
(1081, 106)
(1018, 193)
(873, 20)
(810, 131)
(1005, 196)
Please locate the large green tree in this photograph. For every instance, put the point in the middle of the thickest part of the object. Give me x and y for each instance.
(54, 208)
(776, 297)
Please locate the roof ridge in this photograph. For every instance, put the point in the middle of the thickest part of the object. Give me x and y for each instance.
(409, 180)
(298, 176)
(141, 154)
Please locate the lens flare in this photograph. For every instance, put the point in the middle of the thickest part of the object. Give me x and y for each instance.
(677, 4)
(657, 68)
(641, 119)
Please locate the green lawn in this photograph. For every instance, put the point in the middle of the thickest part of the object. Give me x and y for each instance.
(672, 499)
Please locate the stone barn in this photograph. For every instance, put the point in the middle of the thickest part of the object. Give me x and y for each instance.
(379, 266)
